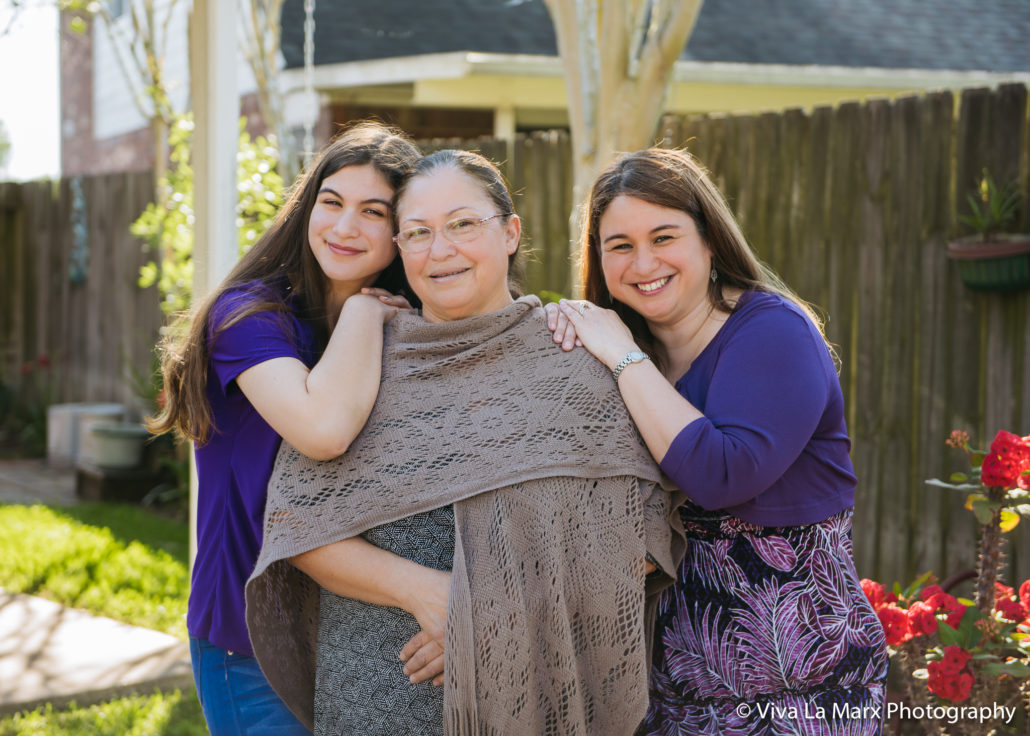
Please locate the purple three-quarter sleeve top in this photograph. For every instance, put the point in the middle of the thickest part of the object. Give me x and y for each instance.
(772, 447)
(234, 466)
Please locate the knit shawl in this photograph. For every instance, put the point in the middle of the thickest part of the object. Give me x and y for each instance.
(556, 500)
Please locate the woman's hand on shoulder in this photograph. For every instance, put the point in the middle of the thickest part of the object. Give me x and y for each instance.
(563, 331)
(601, 331)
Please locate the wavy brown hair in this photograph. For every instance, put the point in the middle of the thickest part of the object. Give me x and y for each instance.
(279, 273)
(675, 179)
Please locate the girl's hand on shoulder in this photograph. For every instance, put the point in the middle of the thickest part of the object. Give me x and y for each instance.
(600, 331)
(379, 301)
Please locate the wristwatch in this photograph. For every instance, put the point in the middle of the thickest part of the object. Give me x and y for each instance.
(634, 356)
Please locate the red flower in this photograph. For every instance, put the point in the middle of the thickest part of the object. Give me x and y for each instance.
(954, 686)
(1002, 591)
(954, 659)
(874, 592)
(929, 591)
(1009, 456)
(942, 600)
(1009, 609)
(26, 369)
(963, 686)
(1024, 594)
(921, 619)
(43, 361)
(895, 624)
(955, 616)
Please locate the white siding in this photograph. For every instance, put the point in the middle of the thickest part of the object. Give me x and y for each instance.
(114, 111)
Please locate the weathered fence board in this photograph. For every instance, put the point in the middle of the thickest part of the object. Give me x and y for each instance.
(94, 331)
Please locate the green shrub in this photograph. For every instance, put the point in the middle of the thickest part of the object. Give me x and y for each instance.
(113, 560)
(168, 714)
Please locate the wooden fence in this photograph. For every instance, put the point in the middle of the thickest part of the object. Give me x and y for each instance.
(68, 287)
(852, 205)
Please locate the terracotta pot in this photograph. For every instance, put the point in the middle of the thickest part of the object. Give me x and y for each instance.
(1001, 264)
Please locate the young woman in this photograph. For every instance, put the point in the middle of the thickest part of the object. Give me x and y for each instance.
(730, 381)
(511, 502)
(288, 347)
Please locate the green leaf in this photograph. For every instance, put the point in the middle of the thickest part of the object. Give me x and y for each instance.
(972, 497)
(916, 584)
(949, 637)
(976, 459)
(1014, 668)
(953, 486)
(969, 635)
(984, 510)
(958, 477)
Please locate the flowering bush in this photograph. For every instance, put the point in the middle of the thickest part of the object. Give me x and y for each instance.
(23, 411)
(969, 651)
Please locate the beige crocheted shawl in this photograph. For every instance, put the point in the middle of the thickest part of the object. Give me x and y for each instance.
(556, 500)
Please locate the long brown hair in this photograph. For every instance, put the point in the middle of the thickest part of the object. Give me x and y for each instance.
(675, 179)
(279, 272)
(483, 171)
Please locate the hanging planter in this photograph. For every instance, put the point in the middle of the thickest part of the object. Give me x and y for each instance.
(993, 260)
(1002, 264)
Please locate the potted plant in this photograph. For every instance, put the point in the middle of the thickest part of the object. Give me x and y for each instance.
(994, 259)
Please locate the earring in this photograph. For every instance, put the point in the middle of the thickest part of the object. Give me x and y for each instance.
(715, 274)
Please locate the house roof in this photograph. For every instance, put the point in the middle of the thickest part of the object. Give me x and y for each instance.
(903, 34)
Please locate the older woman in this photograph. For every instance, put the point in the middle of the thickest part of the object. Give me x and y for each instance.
(510, 502)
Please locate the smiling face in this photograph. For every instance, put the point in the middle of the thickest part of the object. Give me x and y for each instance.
(349, 230)
(456, 280)
(653, 259)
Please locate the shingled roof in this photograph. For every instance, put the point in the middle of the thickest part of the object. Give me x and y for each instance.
(906, 34)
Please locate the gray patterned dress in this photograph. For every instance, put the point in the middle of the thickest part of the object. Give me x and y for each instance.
(360, 686)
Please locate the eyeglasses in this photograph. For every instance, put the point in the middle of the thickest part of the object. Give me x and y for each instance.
(459, 230)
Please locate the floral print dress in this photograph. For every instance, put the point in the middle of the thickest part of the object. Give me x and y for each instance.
(766, 631)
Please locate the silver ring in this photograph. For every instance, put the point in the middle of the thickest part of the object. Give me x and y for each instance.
(582, 307)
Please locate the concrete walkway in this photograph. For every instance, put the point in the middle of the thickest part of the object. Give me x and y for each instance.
(53, 654)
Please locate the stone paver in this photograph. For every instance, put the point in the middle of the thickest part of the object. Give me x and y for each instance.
(53, 654)
(31, 481)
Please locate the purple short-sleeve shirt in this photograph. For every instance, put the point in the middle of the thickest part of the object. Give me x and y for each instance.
(772, 448)
(234, 466)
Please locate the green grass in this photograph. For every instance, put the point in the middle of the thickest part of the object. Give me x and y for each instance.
(113, 560)
(167, 714)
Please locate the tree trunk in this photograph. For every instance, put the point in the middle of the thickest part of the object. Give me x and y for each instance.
(616, 97)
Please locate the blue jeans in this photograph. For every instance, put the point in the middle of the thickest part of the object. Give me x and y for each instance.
(236, 697)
